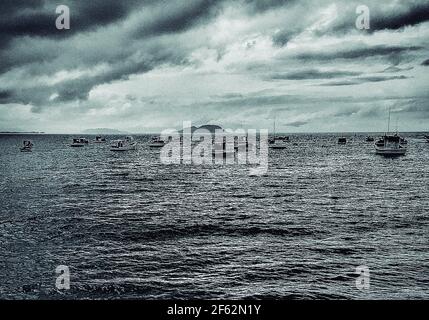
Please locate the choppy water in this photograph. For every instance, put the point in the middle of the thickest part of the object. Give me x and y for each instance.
(130, 227)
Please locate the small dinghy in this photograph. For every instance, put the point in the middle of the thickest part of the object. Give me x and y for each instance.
(27, 146)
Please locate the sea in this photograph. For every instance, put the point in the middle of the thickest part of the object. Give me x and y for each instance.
(127, 226)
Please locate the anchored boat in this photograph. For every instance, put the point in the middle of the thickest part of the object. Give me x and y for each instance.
(100, 139)
(124, 145)
(277, 142)
(79, 142)
(27, 146)
(391, 145)
(157, 142)
(342, 140)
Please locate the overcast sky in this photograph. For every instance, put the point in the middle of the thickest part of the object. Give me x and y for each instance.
(143, 66)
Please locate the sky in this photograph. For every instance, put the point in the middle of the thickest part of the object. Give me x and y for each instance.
(144, 66)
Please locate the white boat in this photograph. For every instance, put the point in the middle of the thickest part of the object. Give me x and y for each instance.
(390, 145)
(100, 139)
(79, 142)
(123, 145)
(157, 142)
(27, 146)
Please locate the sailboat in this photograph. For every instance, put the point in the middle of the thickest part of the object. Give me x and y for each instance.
(277, 142)
(391, 145)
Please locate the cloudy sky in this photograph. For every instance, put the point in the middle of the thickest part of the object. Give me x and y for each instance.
(147, 65)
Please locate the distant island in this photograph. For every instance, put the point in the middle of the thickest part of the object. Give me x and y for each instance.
(211, 128)
(103, 131)
(21, 132)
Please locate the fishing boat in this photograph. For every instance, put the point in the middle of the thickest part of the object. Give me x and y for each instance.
(391, 145)
(369, 139)
(79, 142)
(27, 146)
(157, 142)
(342, 140)
(126, 144)
(100, 139)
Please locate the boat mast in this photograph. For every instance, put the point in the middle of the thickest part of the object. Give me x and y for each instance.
(388, 123)
(274, 126)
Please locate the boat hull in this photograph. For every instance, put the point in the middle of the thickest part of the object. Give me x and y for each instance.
(156, 145)
(127, 148)
(391, 152)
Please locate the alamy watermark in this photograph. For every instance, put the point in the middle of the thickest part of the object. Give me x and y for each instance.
(222, 147)
(362, 281)
(363, 19)
(62, 281)
(63, 20)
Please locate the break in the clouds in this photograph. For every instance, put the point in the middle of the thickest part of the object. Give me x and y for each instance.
(146, 65)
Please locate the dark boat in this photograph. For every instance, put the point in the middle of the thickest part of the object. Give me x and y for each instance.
(342, 140)
(369, 139)
(27, 146)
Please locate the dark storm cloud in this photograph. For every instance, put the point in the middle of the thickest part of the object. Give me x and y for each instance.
(50, 57)
(296, 124)
(418, 107)
(79, 89)
(359, 52)
(5, 95)
(395, 16)
(395, 69)
(37, 18)
(264, 5)
(362, 80)
(176, 16)
(414, 13)
(312, 74)
(110, 40)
